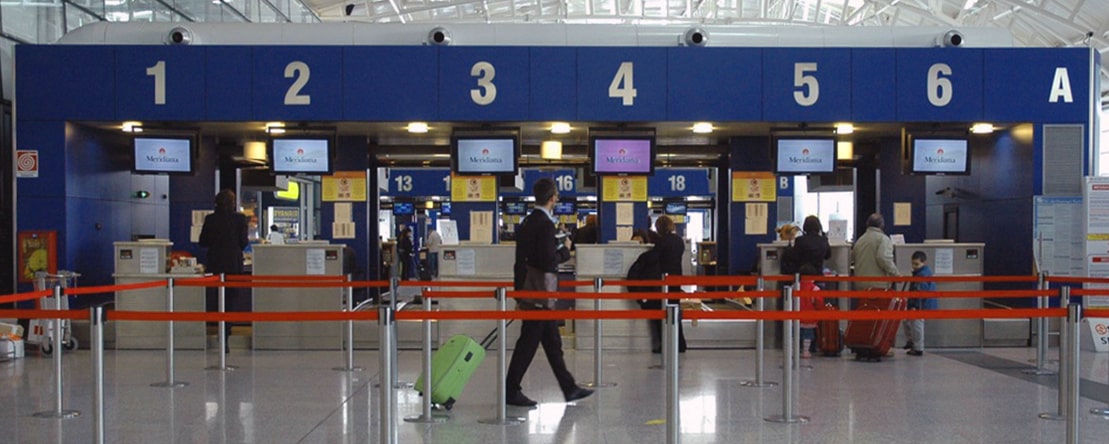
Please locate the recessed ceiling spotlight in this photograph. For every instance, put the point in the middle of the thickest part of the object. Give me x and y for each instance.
(560, 128)
(982, 128)
(702, 127)
(417, 127)
(132, 127)
(845, 128)
(275, 127)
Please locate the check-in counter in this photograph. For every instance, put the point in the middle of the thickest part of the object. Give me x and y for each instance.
(146, 261)
(957, 259)
(473, 262)
(610, 262)
(307, 259)
(770, 264)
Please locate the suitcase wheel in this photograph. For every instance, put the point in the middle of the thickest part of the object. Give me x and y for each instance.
(449, 404)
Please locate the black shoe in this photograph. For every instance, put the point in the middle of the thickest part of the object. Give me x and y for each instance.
(578, 393)
(519, 400)
(916, 353)
(657, 351)
(908, 345)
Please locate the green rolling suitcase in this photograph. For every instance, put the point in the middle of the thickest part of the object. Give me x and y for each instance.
(451, 368)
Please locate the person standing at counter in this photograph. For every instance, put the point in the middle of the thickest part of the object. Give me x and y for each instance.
(404, 252)
(538, 253)
(669, 248)
(224, 235)
(275, 237)
(810, 248)
(873, 254)
(434, 244)
(587, 234)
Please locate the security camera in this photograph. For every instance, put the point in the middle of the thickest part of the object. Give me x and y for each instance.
(952, 39)
(439, 36)
(179, 36)
(695, 37)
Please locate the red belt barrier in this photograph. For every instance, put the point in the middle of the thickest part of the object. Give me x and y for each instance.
(45, 314)
(1028, 278)
(20, 297)
(531, 315)
(873, 294)
(591, 295)
(478, 284)
(711, 280)
(458, 294)
(275, 277)
(1087, 292)
(74, 291)
(201, 316)
(1096, 313)
(1077, 280)
(627, 283)
(879, 314)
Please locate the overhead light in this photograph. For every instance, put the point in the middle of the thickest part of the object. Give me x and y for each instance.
(845, 128)
(254, 150)
(275, 127)
(417, 127)
(429, 205)
(702, 127)
(560, 128)
(132, 127)
(845, 150)
(982, 128)
(550, 150)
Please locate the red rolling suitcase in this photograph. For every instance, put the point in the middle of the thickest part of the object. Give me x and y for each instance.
(872, 339)
(829, 338)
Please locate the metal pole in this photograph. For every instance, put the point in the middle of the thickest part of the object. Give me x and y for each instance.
(56, 337)
(1073, 327)
(96, 321)
(1061, 409)
(348, 325)
(387, 401)
(787, 416)
(760, 343)
(1041, 331)
(427, 416)
(169, 382)
(502, 409)
(673, 396)
(222, 328)
(394, 294)
(598, 284)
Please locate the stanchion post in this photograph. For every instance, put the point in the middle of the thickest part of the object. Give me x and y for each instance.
(346, 299)
(427, 416)
(387, 399)
(1041, 330)
(170, 380)
(502, 360)
(96, 322)
(222, 304)
(1073, 327)
(787, 416)
(760, 341)
(56, 337)
(673, 396)
(598, 370)
(1064, 364)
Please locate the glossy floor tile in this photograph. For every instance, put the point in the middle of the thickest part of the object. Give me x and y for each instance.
(979, 395)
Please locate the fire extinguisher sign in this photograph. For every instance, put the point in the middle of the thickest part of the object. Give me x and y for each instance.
(26, 163)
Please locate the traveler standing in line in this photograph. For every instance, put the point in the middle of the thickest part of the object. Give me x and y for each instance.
(404, 252)
(434, 244)
(224, 235)
(916, 326)
(275, 237)
(810, 248)
(873, 254)
(587, 234)
(669, 248)
(538, 253)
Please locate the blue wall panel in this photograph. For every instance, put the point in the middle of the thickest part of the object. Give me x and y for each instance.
(565, 179)
(418, 182)
(390, 83)
(1027, 77)
(899, 188)
(65, 82)
(554, 85)
(189, 193)
(714, 84)
(598, 70)
(873, 85)
(678, 182)
(939, 85)
(283, 92)
(747, 154)
(483, 83)
(806, 84)
(48, 137)
(143, 70)
(228, 78)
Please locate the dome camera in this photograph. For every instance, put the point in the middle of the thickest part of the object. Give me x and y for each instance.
(952, 39)
(179, 36)
(696, 37)
(439, 36)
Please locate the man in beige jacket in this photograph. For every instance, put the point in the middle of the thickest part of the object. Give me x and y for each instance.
(873, 254)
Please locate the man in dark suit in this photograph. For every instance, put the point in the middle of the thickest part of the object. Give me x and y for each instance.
(669, 248)
(225, 235)
(538, 253)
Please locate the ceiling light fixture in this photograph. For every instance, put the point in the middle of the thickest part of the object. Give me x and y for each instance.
(132, 127)
(845, 150)
(275, 127)
(982, 128)
(702, 128)
(560, 128)
(845, 128)
(417, 127)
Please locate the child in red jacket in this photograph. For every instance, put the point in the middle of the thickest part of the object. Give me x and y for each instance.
(809, 303)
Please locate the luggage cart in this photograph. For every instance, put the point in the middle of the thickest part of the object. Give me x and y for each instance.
(42, 330)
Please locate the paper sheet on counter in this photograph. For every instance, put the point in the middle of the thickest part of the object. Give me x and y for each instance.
(314, 261)
(466, 262)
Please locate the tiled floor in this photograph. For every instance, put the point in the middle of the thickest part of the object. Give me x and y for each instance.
(289, 397)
